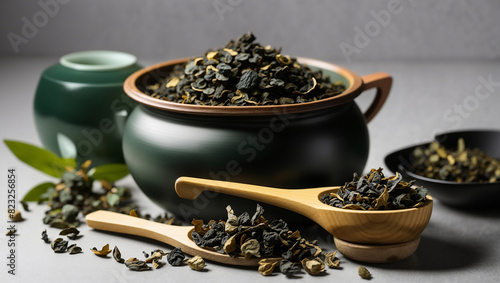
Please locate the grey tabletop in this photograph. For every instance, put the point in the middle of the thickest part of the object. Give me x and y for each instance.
(427, 98)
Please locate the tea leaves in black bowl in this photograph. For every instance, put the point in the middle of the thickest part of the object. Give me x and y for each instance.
(467, 195)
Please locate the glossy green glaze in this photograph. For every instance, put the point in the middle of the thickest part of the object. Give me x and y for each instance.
(80, 103)
(311, 149)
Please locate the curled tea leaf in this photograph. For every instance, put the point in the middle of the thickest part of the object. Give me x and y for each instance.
(137, 265)
(117, 255)
(331, 260)
(15, 216)
(70, 232)
(289, 268)
(250, 248)
(74, 249)
(267, 266)
(364, 273)
(59, 245)
(176, 257)
(313, 266)
(11, 232)
(102, 252)
(196, 263)
(45, 237)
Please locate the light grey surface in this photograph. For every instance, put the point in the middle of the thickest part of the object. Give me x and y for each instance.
(457, 246)
(426, 29)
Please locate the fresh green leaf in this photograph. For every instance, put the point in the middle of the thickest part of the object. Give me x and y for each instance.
(109, 172)
(66, 146)
(40, 159)
(36, 193)
(113, 199)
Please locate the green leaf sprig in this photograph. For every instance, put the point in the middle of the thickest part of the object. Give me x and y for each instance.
(73, 193)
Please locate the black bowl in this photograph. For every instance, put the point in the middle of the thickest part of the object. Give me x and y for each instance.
(463, 195)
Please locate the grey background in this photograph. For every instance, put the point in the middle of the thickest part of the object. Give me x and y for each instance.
(159, 29)
(438, 53)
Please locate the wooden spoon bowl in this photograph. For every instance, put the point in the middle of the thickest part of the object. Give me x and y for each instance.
(375, 227)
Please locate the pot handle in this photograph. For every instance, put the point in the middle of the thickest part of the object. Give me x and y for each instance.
(383, 82)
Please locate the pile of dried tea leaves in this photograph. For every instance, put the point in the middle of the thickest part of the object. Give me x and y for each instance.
(244, 73)
(460, 164)
(377, 192)
(175, 258)
(254, 236)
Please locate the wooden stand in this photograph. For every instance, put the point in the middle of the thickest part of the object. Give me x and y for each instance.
(377, 253)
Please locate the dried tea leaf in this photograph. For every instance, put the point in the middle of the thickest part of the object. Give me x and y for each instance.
(331, 260)
(11, 232)
(196, 263)
(137, 265)
(157, 264)
(117, 255)
(15, 216)
(132, 259)
(132, 213)
(364, 273)
(313, 266)
(69, 212)
(198, 227)
(74, 249)
(230, 245)
(45, 237)
(59, 245)
(288, 267)
(250, 248)
(102, 252)
(155, 256)
(176, 257)
(267, 266)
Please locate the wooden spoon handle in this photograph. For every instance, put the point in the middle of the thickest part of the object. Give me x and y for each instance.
(176, 236)
(302, 201)
(121, 223)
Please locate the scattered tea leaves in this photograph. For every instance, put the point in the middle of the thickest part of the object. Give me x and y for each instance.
(15, 216)
(59, 245)
(25, 205)
(289, 268)
(74, 249)
(117, 255)
(364, 273)
(331, 260)
(267, 266)
(377, 192)
(102, 252)
(45, 237)
(137, 265)
(196, 263)
(70, 232)
(313, 266)
(176, 257)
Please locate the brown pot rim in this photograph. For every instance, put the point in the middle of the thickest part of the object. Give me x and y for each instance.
(354, 89)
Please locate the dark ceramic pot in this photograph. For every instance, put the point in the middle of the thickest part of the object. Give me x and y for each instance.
(80, 107)
(290, 146)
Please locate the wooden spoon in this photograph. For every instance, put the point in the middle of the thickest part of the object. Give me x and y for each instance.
(356, 226)
(176, 236)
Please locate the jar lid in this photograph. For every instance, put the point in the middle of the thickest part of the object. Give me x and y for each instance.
(98, 60)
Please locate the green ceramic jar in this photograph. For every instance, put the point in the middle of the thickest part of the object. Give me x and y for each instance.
(290, 146)
(80, 107)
